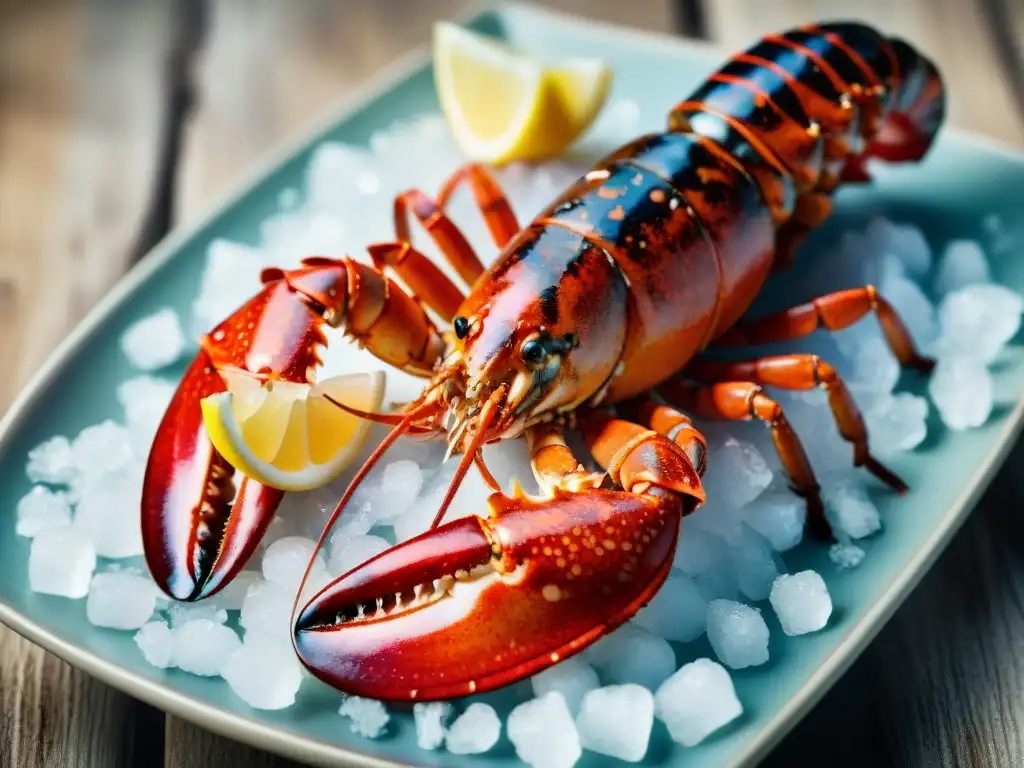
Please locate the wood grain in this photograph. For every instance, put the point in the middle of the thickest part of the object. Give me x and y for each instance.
(80, 117)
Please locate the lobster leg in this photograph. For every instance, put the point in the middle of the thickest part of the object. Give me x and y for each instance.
(423, 277)
(805, 372)
(834, 311)
(744, 401)
(498, 216)
(553, 462)
(497, 211)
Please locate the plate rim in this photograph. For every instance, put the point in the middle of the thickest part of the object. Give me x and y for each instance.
(255, 732)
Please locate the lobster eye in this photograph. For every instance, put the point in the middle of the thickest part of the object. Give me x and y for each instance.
(461, 326)
(534, 353)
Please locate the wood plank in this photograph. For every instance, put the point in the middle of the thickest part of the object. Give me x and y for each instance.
(952, 32)
(79, 129)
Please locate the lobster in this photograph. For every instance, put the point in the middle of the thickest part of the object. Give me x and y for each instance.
(593, 318)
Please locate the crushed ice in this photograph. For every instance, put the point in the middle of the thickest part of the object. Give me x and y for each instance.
(80, 513)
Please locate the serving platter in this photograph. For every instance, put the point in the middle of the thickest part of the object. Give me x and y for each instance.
(962, 182)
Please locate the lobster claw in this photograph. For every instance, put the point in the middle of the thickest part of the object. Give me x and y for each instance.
(195, 539)
(481, 602)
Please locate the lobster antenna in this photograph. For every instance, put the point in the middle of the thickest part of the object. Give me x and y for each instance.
(392, 419)
(487, 414)
(401, 428)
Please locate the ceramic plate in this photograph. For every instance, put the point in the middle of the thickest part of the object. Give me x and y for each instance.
(948, 196)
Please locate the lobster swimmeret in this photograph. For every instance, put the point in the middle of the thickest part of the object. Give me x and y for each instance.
(613, 291)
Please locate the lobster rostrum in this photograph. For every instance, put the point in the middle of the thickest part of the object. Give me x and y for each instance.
(594, 318)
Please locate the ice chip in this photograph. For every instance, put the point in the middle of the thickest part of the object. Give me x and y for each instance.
(401, 482)
(264, 673)
(286, 559)
(430, 718)
(737, 633)
(738, 472)
(676, 612)
(40, 510)
(802, 602)
(183, 613)
(51, 462)
(696, 701)
(845, 555)
(107, 513)
(543, 732)
(896, 423)
(102, 448)
(875, 369)
(267, 610)
(144, 400)
(963, 392)
(638, 656)
(347, 553)
(905, 241)
(753, 561)
(474, 731)
(155, 341)
(367, 717)
(617, 721)
(850, 510)
(779, 516)
(61, 562)
(156, 643)
(962, 263)
(120, 600)
(572, 678)
(978, 320)
(201, 647)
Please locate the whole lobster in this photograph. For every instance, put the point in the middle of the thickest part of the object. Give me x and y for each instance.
(613, 291)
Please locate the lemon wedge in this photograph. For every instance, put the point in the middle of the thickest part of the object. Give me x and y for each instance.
(288, 435)
(504, 105)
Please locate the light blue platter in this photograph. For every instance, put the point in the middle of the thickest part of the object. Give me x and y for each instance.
(948, 196)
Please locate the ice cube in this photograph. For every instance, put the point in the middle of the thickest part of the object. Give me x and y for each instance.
(102, 448)
(347, 553)
(896, 423)
(232, 596)
(156, 643)
(802, 602)
(543, 732)
(120, 600)
(617, 721)
(850, 510)
(338, 175)
(201, 647)
(677, 611)
(182, 613)
(696, 701)
(267, 610)
(754, 563)
(231, 277)
(286, 559)
(978, 320)
(779, 516)
(914, 309)
(572, 678)
(107, 513)
(401, 482)
(144, 400)
(875, 369)
(846, 555)
(737, 633)
(475, 731)
(61, 562)
(41, 509)
(264, 673)
(155, 341)
(738, 473)
(51, 462)
(962, 263)
(638, 656)
(430, 718)
(963, 392)
(905, 241)
(368, 717)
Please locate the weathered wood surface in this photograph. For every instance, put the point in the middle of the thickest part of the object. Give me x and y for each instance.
(119, 119)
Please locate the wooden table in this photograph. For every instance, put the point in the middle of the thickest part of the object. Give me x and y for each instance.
(119, 120)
